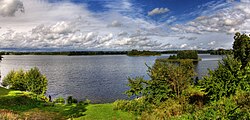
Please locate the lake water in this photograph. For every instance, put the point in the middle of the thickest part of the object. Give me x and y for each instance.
(98, 78)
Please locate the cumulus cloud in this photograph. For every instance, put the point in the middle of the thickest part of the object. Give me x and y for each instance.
(158, 11)
(47, 25)
(10, 7)
(227, 20)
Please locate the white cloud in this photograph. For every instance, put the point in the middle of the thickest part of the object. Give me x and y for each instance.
(245, 1)
(10, 7)
(47, 25)
(158, 11)
(115, 24)
(183, 46)
(227, 20)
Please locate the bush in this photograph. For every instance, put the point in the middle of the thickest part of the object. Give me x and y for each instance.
(137, 106)
(226, 109)
(69, 100)
(32, 81)
(59, 100)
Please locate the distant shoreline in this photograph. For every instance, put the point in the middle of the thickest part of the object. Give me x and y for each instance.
(82, 53)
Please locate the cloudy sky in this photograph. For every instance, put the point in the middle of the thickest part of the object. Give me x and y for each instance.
(121, 24)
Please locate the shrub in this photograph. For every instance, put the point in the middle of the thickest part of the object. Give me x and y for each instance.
(74, 100)
(226, 108)
(137, 106)
(69, 100)
(59, 100)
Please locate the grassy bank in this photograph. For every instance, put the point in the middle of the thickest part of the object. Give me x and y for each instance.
(25, 105)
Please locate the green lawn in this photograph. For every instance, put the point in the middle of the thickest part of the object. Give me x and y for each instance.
(105, 112)
(25, 105)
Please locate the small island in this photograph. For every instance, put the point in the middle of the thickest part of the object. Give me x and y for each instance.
(182, 55)
(143, 53)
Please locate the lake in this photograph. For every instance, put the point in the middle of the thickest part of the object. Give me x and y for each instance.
(101, 78)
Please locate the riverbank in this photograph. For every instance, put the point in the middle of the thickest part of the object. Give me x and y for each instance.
(25, 105)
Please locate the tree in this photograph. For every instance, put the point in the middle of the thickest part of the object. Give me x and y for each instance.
(241, 48)
(36, 82)
(136, 86)
(15, 80)
(226, 79)
(187, 54)
(167, 80)
(31, 80)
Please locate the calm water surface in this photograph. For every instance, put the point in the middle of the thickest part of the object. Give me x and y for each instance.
(98, 78)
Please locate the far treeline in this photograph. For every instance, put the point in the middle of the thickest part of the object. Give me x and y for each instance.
(129, 53)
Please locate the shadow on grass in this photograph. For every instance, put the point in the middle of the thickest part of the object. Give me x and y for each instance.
(19, 103)
(35, 105)
(4, 91)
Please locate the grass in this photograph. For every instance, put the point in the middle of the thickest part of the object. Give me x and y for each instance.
(4, 91)
(105, 112)
(18, 105)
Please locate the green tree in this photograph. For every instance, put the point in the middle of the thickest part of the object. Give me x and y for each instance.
(36, 82)
(241, 48)
(167, 80)
(136, 86)
(31, 80)
(15, 80)
(187, 54)
(226, 79)
(8, 79)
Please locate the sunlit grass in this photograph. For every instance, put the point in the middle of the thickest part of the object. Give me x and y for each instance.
(105, 112)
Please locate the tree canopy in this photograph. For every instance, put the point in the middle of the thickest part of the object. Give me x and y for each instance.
(31, 80)
(241, 48)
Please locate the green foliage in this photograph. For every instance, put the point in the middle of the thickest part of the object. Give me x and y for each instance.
(142, 53)
(225, 108)
(241, 48)
(166, 110)
(59, 100)
(172, 57)
(136, 86)
(137, 106)
(167, 80)
(7, 80)
(16, 80)
(69, 100)
(31, 80)
(226, 79)
(187, 54)
(174, 77)
(221, 52)
(36, 82)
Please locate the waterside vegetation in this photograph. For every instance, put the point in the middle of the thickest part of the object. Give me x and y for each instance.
(143, 53)
(171, 92)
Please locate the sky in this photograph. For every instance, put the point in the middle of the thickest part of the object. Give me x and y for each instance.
(114, 25)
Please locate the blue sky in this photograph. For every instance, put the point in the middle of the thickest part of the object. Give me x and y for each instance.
(121, 24)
